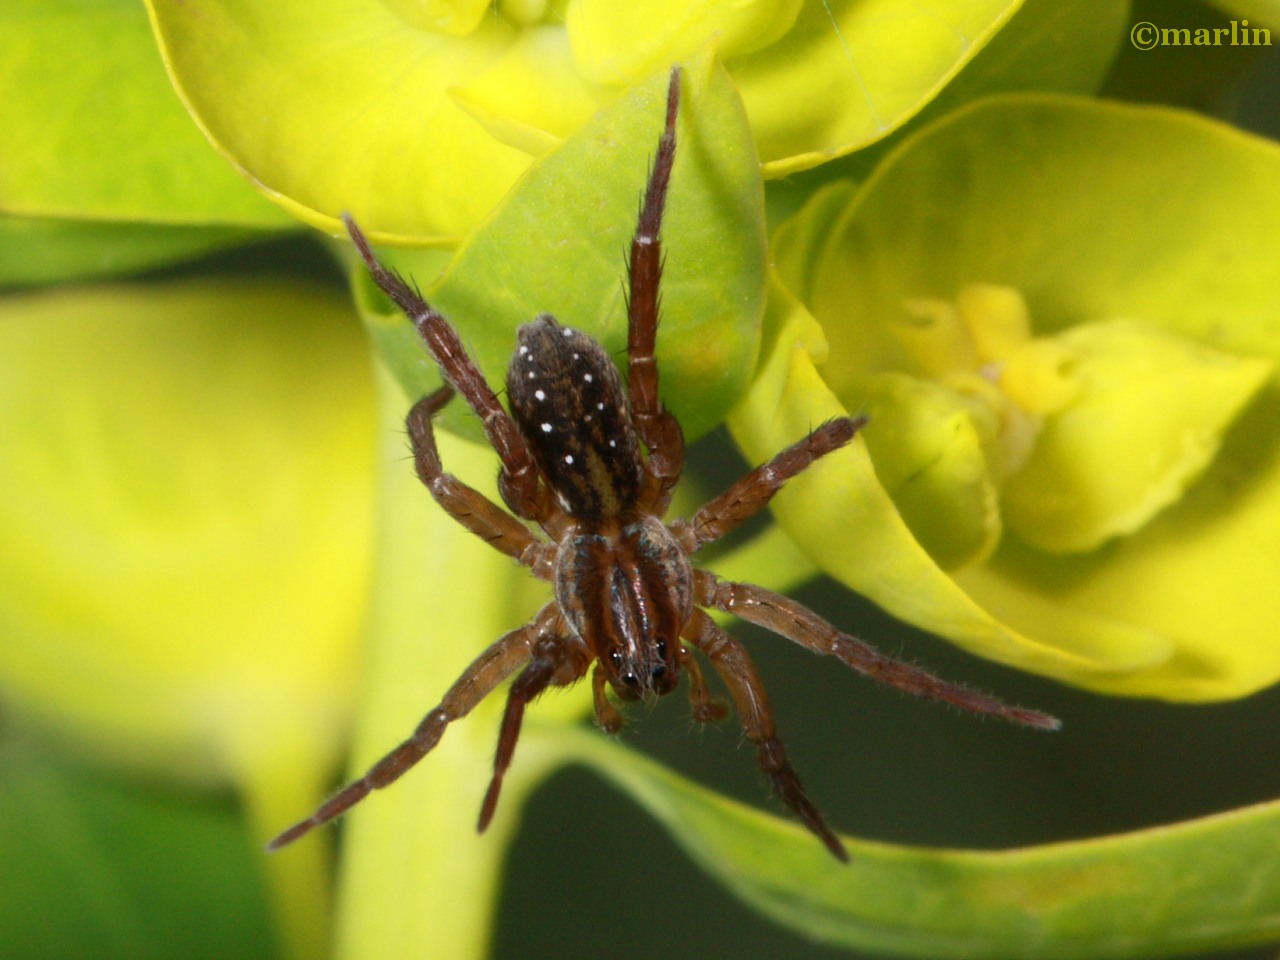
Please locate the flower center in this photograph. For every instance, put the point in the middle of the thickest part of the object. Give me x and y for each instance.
(1079, 436)
(981, 347)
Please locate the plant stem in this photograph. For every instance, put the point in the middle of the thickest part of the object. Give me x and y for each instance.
(415, 878)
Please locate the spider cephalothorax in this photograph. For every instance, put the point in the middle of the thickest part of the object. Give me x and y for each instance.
(592, 463)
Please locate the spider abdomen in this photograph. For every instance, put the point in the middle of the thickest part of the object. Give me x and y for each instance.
(568, 400)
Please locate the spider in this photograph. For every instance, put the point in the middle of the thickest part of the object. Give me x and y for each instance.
(627, 599)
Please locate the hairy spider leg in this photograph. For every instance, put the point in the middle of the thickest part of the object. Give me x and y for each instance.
(498, 662)
(738, 671)
(548, 652)
(557, 661)
(472, 509)
(750, 494)
(535, 678)
(518, 482)
(660, 431)
(799, 624)
(608, 716)
(706, 708)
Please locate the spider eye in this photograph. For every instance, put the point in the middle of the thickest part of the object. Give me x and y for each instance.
(630, 679)
(615, 658)
(662, 649)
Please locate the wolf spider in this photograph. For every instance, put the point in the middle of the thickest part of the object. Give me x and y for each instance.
(626, 596)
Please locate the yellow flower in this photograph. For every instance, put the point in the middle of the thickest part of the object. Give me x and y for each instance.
(418, 115)
(1068, 360)
(1069, 439)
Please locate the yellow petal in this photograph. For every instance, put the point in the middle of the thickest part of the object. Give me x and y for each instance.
(339, 106)
(618, 43)
(849, 72)
(858, 537)
(456, 18)
(996, 318)
(533, 97)
(934, 338)
(1037, 377)
(1201, 575)
(928, 443)
(1197, 579)
(1149, 416)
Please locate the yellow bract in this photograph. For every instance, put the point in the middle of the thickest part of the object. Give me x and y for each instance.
(455, 18)
(1088, 486)
(1148, 415)
(860, 537)
(418, 116)
(929, 446)
(553, 100)
(1120, 420)
(618, 43)
(1083, 435)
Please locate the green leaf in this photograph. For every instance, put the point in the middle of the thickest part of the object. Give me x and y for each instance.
(1204, 885)
(90, 128)
(37, 251)
(558, 245)
(100, 869)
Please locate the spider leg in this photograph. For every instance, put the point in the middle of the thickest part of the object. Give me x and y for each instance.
(518, 482)
(752, 493)
(555, 662)
(608, 716)
(706, 708)
(499, 661)
(801, 625)
(731, 660)
(469, 507)
(659, 430)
